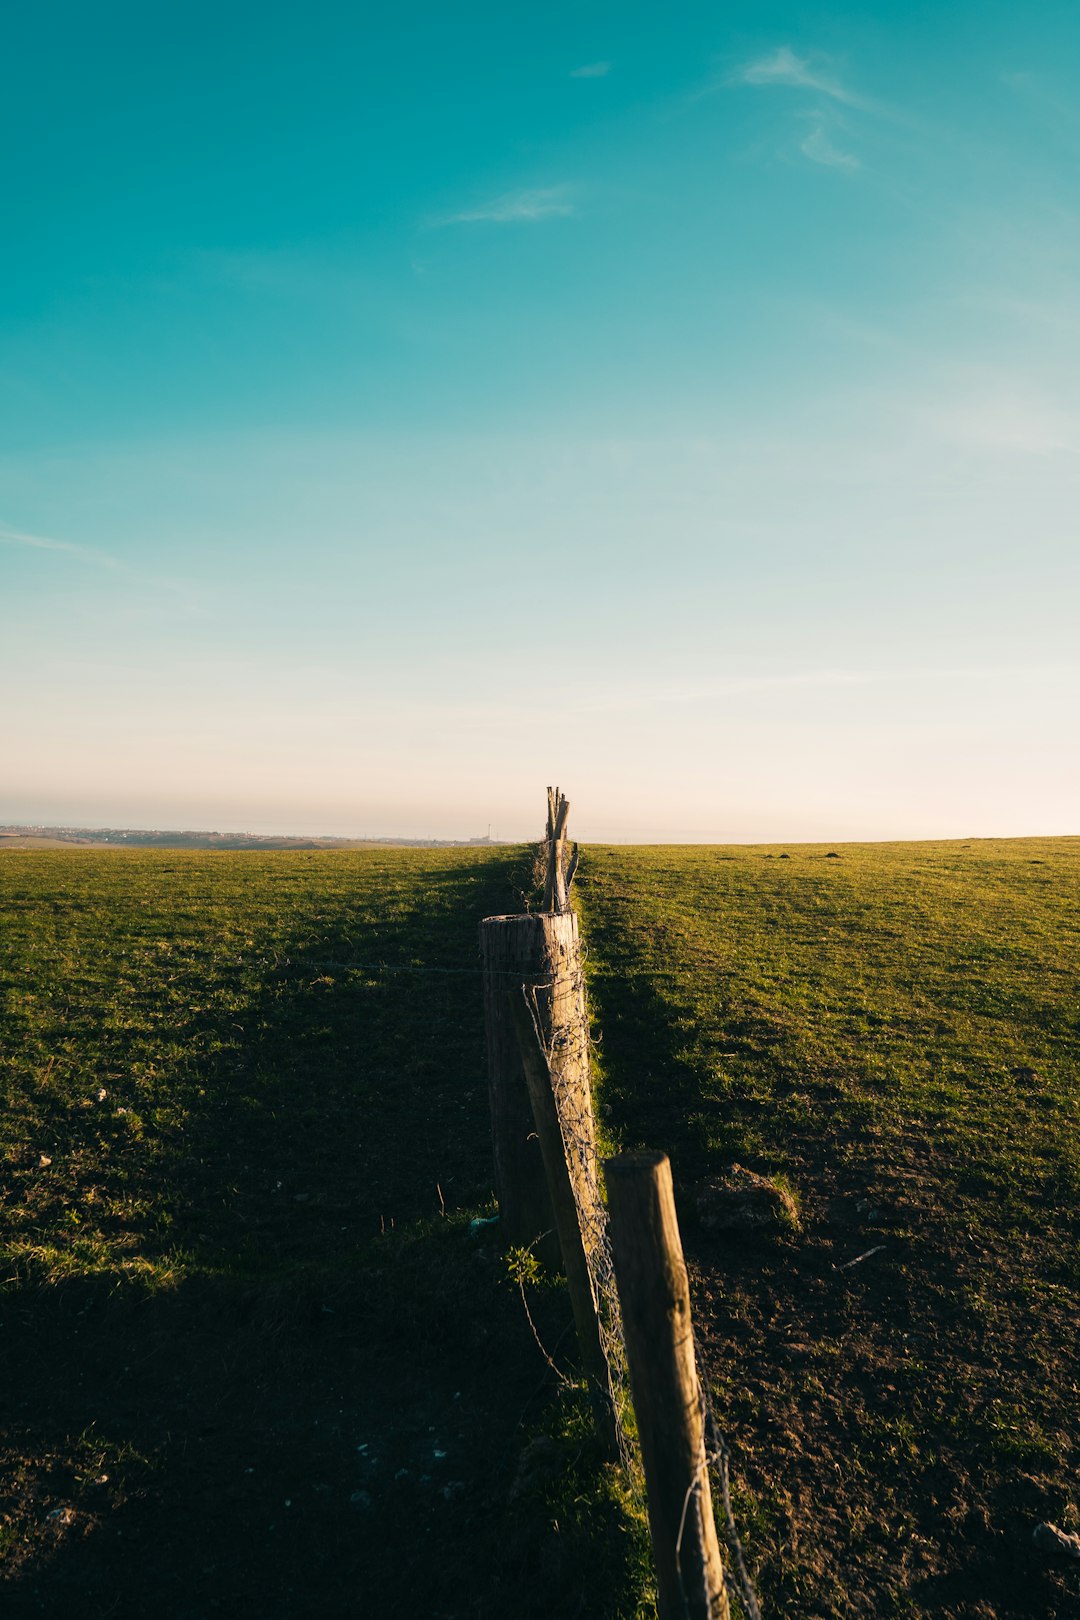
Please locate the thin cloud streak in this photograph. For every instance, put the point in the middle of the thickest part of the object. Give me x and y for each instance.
(515, 207)
(591, 70)
(819, 149)
(783, 67)
(42, 542)
(832, 680)
(95, 558)
(482, 713)
(1007, 422)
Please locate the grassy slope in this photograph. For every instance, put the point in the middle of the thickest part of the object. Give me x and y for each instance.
(238, 1331)
(897, 1031)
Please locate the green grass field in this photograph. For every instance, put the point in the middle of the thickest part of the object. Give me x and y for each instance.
(256, 1361)
(897, 1031)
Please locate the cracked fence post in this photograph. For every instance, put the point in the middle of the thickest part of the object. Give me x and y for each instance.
(655, 1298)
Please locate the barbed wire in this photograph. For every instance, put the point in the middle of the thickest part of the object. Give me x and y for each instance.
(718, 1456)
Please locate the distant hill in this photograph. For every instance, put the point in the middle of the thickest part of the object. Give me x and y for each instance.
(155, 838)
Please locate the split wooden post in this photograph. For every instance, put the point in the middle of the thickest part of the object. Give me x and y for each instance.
(576, 1200)
(556, 888)
(655, 1299)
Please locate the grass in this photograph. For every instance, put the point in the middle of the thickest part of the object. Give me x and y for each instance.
(256, 1358)
(196, 1044)
(894, 1030)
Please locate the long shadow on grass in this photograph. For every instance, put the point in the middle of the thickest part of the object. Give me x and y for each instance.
(356, 1101)
(324, 1413)
(656, 1089)
(349, 1441)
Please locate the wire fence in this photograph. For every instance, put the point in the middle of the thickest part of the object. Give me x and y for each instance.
(568, 1051)
(718, 1458)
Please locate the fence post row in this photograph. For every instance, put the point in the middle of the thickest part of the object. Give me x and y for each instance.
(539, 950)
(668, 1400)
(547, 1182)
(540, 953)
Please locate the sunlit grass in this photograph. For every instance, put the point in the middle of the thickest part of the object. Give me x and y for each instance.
(895, 1031)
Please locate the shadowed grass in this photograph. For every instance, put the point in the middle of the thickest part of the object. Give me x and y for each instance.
(250, 1363)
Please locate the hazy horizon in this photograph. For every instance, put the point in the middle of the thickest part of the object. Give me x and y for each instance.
(684, 407)
(525, 836)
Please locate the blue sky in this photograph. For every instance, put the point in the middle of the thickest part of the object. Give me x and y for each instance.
(399, 412)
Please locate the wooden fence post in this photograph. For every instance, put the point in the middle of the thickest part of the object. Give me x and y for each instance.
(578, 1213)
(556, 888)
(655, 1299)
(529, 950)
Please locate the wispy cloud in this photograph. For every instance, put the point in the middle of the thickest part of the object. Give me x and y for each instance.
(819, 149)
(783, 67)
(822, 680)
(1045, 101)
(817, 78)
(91, 556)
(515, 207)
(1008, 421)
(42, 542)
(591, 70)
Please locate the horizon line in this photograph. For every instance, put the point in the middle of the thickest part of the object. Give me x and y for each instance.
(41, 829)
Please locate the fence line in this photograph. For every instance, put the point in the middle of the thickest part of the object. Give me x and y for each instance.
(653, 1369)
(577, 1133)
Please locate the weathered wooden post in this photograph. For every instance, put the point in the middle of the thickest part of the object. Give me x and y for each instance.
(575, 1195)
(516, 951)
(556, 888)
(655, 1298)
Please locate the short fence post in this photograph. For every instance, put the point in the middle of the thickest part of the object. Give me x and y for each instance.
(655, 1299)
(578, 1214)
